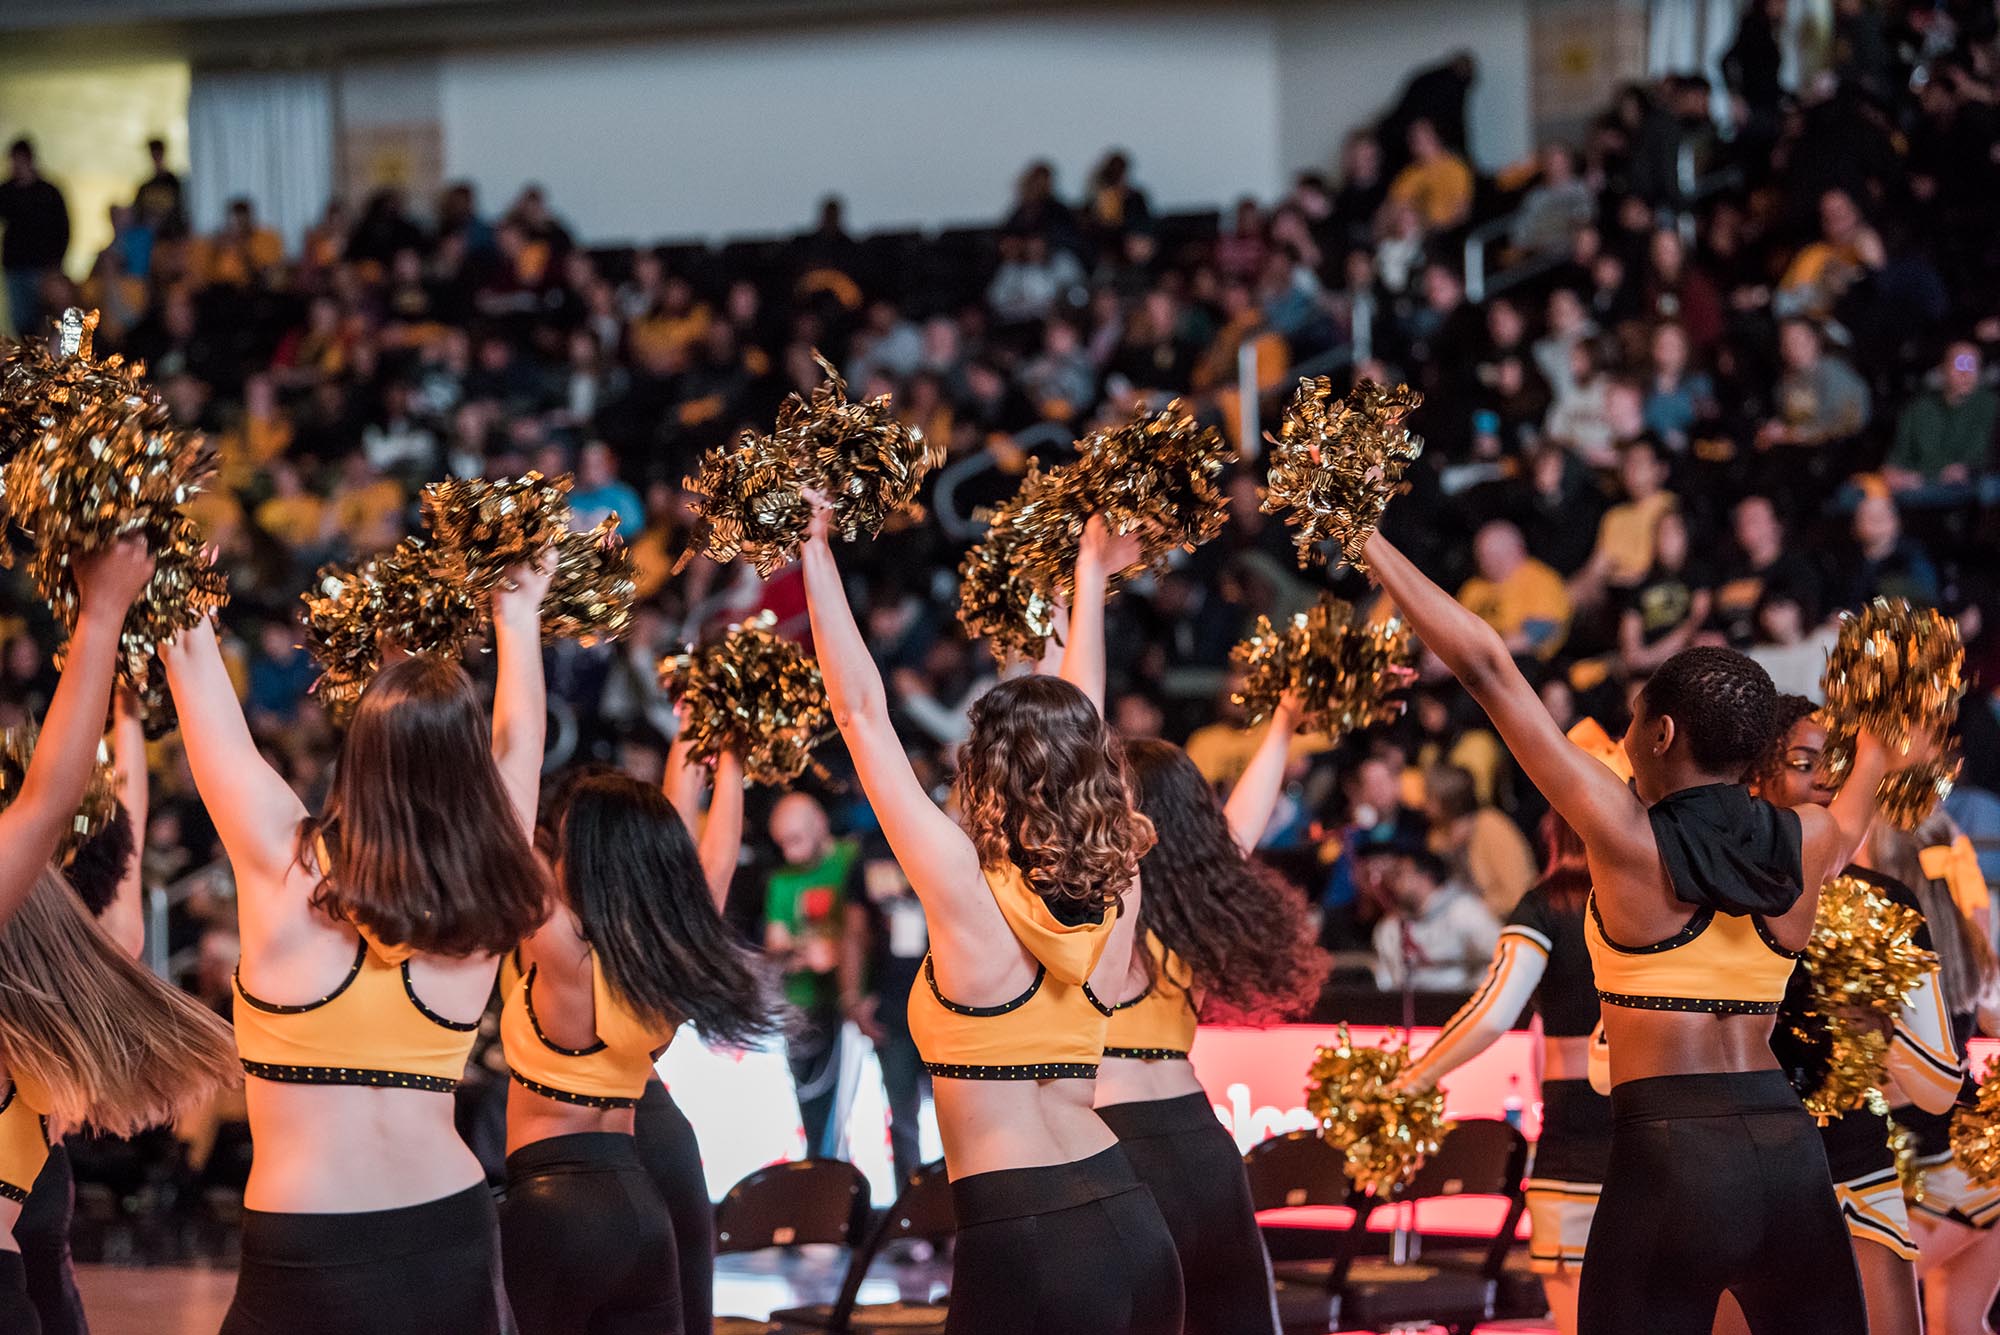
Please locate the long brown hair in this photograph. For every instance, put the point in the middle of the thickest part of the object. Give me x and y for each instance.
(1042, 783)
(1565, 877)
(116, 1048)
(1243, 933)
(424, 847)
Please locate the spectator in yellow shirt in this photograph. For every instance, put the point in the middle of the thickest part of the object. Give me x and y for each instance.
(1484, 848)
(1521, 598)
(1437, 183)
(243, 250)
(1624, 553)
(292, 515)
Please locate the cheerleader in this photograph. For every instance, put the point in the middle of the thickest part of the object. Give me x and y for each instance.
(1031, 925)
(371, 934)
(1542, 956)
(634, 947)
(1221, 936)
(86, 1035)
(1702, 898)
(105, 872)
(1923, 1064)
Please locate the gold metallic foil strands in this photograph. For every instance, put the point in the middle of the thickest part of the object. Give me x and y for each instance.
(39, 389)
(411, 597)
(590, 598)
(997, 601)
(1894, 669)
(868, 464)
(1975, 1131)
(1863, 957)
(1909, 1173)
(1336, 465)
(1346, 669)
(100, 794)
(754, 694)
(1384, 1136)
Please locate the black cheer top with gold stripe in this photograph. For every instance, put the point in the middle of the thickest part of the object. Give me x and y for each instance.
(1053, 1031)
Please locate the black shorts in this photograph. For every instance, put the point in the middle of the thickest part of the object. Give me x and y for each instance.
(585, 1240)
(1068, 1249)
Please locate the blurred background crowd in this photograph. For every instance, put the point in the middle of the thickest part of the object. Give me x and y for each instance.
(1718, 369)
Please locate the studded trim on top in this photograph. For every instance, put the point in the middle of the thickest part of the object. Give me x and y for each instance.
(1146, 1054)
(1091, 997)
(930, 976)
(1757, 921)
(1694, 927)
(8, 1191)
(1145, 992)
(1036, 1071)
(528, 1002)
(565, 1096)
(1707, 1005)
(347, 1075)
(273, 1008)
(443, 1022)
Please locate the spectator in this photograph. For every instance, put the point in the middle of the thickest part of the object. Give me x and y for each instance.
(1482, 848)
(244, 249)
(806, 930)
(159, 205)
(1032, 279)
(1789, 647)
(1037, 210)
(600, 493)
(1515, 594)
(36, 237)
(1679, 400)
(1239, 252)
(1662, 613)
(1555, 207)
(1580, 415)
(1820, 400)
(1677, 290)
(1363, 187)
(1437, 183)
(1569, 324)
(875, 994)
(1113, 205)
(1437, 935)
(1763, 567)
(1824, 271)
(394, 441)
(1060, 378)
(1944, 437)
(1624, 553)
(1399, 248)
(1885, 562)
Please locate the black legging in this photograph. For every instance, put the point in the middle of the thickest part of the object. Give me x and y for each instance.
(672, 1158)
(419, 1270)
(1192, 1166)
(43, 1233)
(17, 1314)
(585, 1242)
(1070, 1249)
(1717, 1182)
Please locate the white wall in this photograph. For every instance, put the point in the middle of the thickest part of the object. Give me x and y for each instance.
(741, 133)
(1342, 62)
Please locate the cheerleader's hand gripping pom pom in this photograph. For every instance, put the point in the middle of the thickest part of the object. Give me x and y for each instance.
(1383, 1131)
(754, 694)
(1344, 671)
(412, 599)
(1335, 466)
(1898, 672)
(1863, 962)
(1975, 1131)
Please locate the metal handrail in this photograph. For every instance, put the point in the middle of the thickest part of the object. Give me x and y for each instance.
(968, 528)
(1476, 242)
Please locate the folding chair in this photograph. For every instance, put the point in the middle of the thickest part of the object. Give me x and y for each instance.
(922, 1211)
(789, 1205)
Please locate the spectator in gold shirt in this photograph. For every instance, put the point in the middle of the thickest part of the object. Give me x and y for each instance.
(1520, 597)
(1437, 183)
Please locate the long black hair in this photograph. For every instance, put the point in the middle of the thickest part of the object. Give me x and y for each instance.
(631, 874)
(1242, 932)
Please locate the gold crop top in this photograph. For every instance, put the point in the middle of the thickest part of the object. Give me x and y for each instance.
(1158, 1024)
(1053, 1031)
(371, 1030)
(610, 1073)
(1720, 963)
(24, 1139)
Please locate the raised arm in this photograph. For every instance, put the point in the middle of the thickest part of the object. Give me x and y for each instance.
(1256, 793)
(1597, 806)
(935, 854)
(125, 917)
(255, 811)
(1097, 555)
(1519, 961)
(722, 832)
(683, 781)
(43, 811)
(1832, 835)
(520, 695)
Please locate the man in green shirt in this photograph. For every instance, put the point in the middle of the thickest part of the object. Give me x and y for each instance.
(805, 921)
(1944, 439)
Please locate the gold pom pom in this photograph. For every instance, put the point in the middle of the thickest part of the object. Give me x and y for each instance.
(1335, 466)
(100, 794)
(1897, 671)
(1909, 1173)
(867, 463)
(1975, 1131)
(1345, 669)
(412, 598)
(105, 469)
(1000, 604)
(1862, 958)
(755, 694)
(1384, 1136)
(40, 389)
(590, 598)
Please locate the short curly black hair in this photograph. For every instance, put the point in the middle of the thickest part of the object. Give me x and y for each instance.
(97, 867)
(1722, 702)
(1790, 709)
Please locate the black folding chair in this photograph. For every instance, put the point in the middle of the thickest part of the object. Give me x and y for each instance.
(924, 1212)
(797, 1204)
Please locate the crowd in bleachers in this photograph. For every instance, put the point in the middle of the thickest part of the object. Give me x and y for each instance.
(1728, 375)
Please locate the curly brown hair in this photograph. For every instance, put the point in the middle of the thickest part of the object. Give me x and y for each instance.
(1042, 784)
(1244, 933)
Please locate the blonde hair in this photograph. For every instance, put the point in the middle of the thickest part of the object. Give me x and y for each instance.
(115, 1047)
